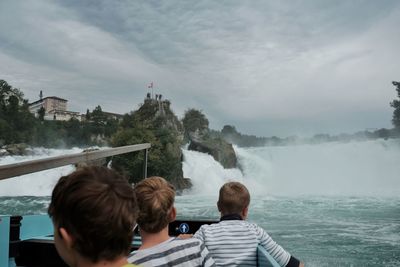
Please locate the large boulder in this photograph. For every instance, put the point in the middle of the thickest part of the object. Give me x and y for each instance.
(17, 149)
(181, 184)
(218, 148)
(4, 152)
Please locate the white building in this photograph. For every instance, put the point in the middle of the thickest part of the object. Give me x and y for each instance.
(55, 109)
(62, 115)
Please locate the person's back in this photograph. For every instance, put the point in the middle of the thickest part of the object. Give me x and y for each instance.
(155, 198)
(173, 252)
(234, 241)
(94, 212)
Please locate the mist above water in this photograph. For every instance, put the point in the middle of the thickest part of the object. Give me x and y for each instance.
(369, 168)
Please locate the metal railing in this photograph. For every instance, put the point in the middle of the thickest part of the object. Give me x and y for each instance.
(26, 167)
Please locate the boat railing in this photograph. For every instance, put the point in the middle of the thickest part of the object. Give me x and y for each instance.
(26, 167)
(11, 233)
(265, 259)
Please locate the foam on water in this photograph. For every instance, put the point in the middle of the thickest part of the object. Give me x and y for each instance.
(358, 168)
(39, 183)
(207, 174)
(367, 168)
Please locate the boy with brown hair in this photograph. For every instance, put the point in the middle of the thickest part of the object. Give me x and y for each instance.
(234, 241)
(94, 213)
(156, 198)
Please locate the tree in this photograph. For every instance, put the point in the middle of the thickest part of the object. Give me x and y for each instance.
(98, 120)
(111, 127)
(41, 112)
(231, 135)
(194, 120)
(97, 116)
(16, 121)
(87, 114)
(6, 91)
(229, 130)
(396, 105)
(146, 125)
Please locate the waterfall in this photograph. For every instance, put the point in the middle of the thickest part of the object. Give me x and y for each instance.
(369, 168)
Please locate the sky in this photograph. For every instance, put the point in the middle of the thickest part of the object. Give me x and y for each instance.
(269, 68)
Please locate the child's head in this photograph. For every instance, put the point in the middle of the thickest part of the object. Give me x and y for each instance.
(94, 211)
(233, 198)
(155, 198)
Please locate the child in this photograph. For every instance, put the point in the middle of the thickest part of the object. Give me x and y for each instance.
(155, 198)
(233, 241)
(94, 212)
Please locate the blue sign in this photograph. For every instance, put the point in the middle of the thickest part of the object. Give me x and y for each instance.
(183, 228)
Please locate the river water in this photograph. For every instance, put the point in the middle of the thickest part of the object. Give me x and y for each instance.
(333, 204)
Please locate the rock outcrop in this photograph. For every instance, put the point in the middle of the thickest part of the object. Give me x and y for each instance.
(218, 148)
(154, 122)
(16, 150)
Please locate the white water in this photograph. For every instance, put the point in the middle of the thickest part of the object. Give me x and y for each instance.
(39, 183)
(369, 168)
(207, 175)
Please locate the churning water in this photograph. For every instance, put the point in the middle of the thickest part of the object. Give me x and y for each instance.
(333, 204)
(369, 168)
(39, 183)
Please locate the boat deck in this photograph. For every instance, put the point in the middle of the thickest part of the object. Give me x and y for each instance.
(30, 242)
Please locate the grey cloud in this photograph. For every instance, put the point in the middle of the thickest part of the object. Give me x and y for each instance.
(243, 61)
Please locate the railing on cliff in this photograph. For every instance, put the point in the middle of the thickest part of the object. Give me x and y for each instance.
(26, 167)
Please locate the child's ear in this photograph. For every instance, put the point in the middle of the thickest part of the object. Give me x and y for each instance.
(172, 214)
(219, 208)
(68, 239)
(245, 212)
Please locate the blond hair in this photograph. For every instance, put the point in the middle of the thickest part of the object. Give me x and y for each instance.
(233, 198)
(155, 198)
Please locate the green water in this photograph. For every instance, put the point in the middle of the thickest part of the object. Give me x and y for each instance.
(321, 231)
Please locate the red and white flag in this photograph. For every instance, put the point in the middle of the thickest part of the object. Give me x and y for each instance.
(150, 85)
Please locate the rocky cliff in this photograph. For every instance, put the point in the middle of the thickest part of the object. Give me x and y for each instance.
(218, 148)
(154, 122)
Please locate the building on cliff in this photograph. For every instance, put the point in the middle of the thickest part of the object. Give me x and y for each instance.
(55, 109)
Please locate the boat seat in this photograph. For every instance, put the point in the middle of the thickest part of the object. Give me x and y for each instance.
(41, 251)
(38, 253)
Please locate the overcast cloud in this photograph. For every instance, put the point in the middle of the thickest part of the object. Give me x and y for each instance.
(268, 67)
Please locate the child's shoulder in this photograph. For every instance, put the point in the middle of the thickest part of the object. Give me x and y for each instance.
(184, 241)
(228, 224)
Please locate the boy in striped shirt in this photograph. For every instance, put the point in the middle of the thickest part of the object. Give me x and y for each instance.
(233, 241)
(155, 198)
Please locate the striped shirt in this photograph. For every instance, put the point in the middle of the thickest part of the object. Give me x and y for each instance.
(173, 252)
(234, 243)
